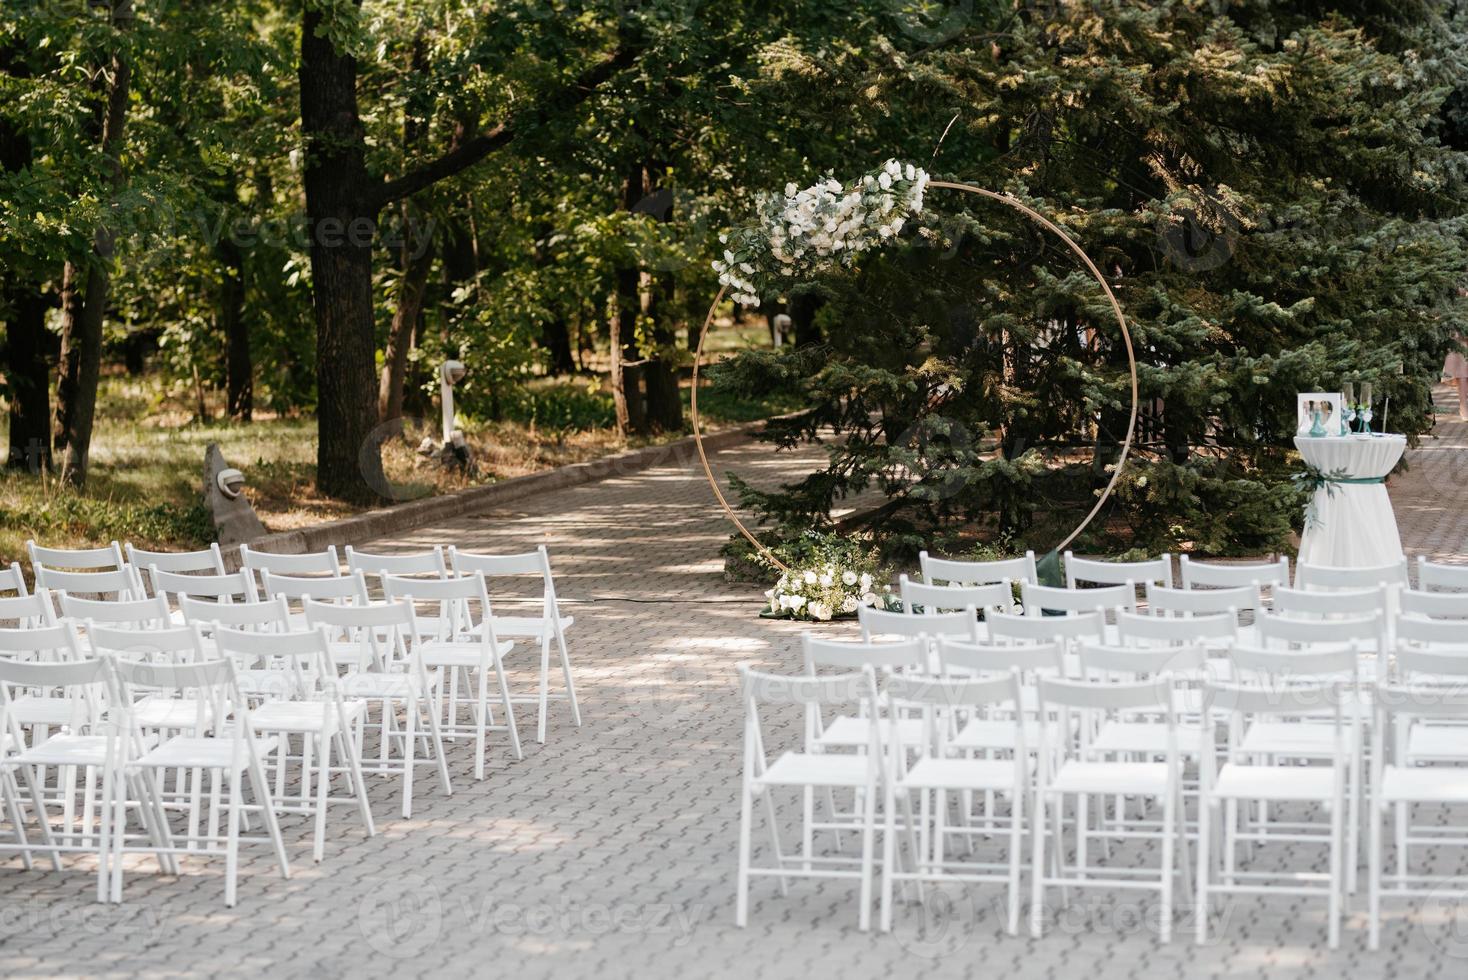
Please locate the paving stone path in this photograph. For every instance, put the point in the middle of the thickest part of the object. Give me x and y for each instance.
(609, 851)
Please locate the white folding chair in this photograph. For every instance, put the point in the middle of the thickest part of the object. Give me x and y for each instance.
(1216, 631)
(25, 611)
(1365, 633)
(1041, 599)
(1304, 603)
(845, 656)
(1435, 576)
(87, 742)
(223, 588)
(209, 561)
(939, 769)
(1236, 600)
(105, 559)
(324, 564)
(1329, 577)
(1098, 572)
(1046, 629)
(341, 590)
(954, 572)
(261, 616)
(149, 614)
(1307, 737)
(1434, 605)
(233, 753)
(1398, 786)
(1080, 776)
(1249, 776)
(305, 703)
(390, 671)
(463, 642)
(12, 579)
(1231, 575)
(803, 770)
(1438, 667)
(550, 625)
(429, 564)
(119, 583)
(879, 622)
(952, 598)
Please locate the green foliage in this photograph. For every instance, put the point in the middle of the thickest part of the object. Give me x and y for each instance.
(1277, 195)
(65, 514)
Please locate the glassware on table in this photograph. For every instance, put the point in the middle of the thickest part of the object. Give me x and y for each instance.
(1317, 424)
(1348, 410)
(1363, 412)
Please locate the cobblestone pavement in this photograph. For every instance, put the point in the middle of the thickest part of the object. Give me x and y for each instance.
(609, 851)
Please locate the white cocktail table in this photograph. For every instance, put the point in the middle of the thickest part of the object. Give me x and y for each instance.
(1351, 522)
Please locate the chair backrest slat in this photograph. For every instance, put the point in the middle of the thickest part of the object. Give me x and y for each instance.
(28, 610)
(1098, 572)
(12, 579)
(1135, 629)
(119, 582)
(1044, 629)
(107, 558)
(138, 613)
(1202, 602)
(1098, 658)
(959, 572)
(1345, 602)
(1435, 605)
(1367, 630)
(1039, 599)
(880, 622)
(1328, 577)
(344, 587)
(1028, 659)
(1226, 575)
(947, 598)
(311, 563)
(853, 655)
(1435, 576)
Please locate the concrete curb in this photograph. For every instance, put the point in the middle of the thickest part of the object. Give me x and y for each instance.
(416, 513)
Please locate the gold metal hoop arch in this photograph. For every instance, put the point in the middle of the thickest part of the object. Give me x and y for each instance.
(1035, 216)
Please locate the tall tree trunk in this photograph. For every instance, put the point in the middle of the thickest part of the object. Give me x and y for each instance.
(555, 336)
(84, 284)
(626, 366)
(239, 366)
(341, 213)
(416, 261)
(660, 374)
(23, 308)
(803, 309)
(28, 378)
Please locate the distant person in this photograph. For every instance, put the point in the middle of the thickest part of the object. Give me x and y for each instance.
(1455, 369)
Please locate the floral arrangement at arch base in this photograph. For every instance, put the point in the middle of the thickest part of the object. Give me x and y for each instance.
(826, 592)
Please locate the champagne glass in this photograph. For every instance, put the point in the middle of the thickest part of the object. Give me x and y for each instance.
(1365, 410)
(1348, 409)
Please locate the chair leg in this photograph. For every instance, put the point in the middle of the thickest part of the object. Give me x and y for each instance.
(1037, 868)
(232, 840)
(566, 674)
(323, 784)
(544, 687)
(746, 815)
(1016, 856)
(351, 751)
(481, 719)
(1373, 874)
(1338, 836)
(38, 801)
(807, 831)
(11, 792)
(410, 745)
(889, 858)
(1169, 830)
(499, 673)
(1200, 901)
(868, 841)
(267, 808)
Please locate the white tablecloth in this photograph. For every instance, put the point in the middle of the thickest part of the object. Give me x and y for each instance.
(1354, 524)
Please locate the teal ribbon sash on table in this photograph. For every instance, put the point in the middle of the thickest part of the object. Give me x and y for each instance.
(1314, 479)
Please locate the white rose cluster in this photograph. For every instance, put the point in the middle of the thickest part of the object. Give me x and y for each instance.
(827, 591)
(805, 232)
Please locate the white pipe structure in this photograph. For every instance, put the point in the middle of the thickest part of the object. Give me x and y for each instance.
(450, 374)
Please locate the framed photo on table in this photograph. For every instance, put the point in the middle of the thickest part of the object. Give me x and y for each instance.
(1329, 402)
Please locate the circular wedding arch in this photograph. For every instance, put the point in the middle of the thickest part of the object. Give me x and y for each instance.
(1033, 215)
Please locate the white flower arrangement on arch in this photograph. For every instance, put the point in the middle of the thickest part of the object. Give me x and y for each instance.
(802, 233)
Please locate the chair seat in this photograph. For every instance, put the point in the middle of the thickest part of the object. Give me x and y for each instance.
(190, 752)
(374, 685)
(445, 653)
(1128, 778)
(1310, 783)
(850, 731)
(976, 774)
(32, 710)
(303, 716)
(1437, 742)
(1299, 739)
(1142, 736)
(800, 769)
(64, 750)
(531, 626)
(177, 713)
(993, 733)
(1426, 784)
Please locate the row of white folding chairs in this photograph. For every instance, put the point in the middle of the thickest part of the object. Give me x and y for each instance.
(1431, 576)
(943, 763)
(103, 571)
